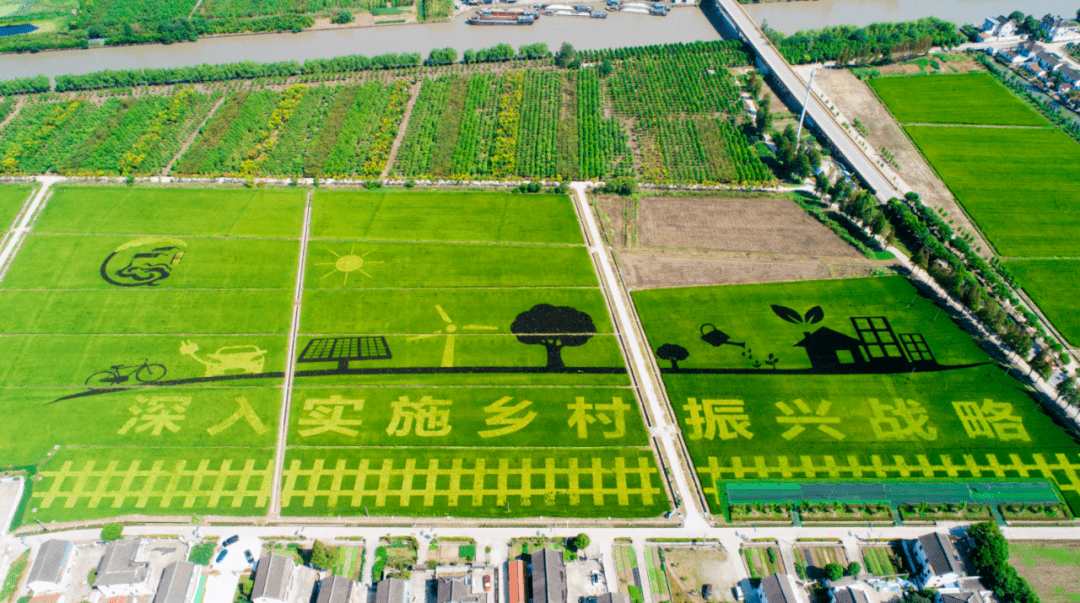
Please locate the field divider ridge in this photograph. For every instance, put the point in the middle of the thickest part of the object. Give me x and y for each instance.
(290, 368)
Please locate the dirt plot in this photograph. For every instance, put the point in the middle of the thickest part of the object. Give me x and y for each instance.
(1052, 568)
(689, 569)
(816, 557)
(649, 271)
(856, 100)
(755, 225)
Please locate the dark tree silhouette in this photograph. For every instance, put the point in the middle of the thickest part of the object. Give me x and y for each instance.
(672, 352)
(553, 327)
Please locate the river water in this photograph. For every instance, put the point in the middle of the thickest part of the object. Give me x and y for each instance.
(790, 17)
(683, 24)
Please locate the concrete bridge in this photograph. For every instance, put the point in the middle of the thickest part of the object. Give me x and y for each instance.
(793, 88)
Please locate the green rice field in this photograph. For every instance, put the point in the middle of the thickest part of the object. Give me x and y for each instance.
(847, 379)
(970, 98)
(12, 199)
(138, 322)
(1055, 286)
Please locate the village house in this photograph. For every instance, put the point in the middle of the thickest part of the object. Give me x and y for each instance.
(179, 583)
(937, 563)
(336, 589)
(273, 579)
(780, 588)
(392, 590)
(47, 573)
(1069, 74)
(1028, 48)
(119, 575)
(999, 28)
(548, 576)
(1059, 30)
(1048, 61)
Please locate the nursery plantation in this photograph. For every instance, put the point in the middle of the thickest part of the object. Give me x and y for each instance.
(663, 114)
(148, 333)
(859, 379)
(1035, 234)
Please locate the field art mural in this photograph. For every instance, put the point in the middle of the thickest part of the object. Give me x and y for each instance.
(845, 380)
(437, 332)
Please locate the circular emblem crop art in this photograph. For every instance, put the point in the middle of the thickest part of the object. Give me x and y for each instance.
(142, 262)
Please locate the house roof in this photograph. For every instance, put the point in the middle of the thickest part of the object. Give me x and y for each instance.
(390, 590)
(1029, 45)
(778, 589)
(455, 590)
(118, 565)
(828, 338)
(1070, 73)
(272, 577)
(849, 595)
(1049, 58)
(53, 598)
(1008, 54)
(50, 561)
(548, 576)
(961, 597)
(334, 589)
(516, 579)
(613, 598)
(175, 581)
(941, 555)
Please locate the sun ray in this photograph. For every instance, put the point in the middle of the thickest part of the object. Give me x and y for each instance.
(335, 254)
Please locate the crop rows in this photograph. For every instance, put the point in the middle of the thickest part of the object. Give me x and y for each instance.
(601, 142)
(537, 145)
(363, 144)
(235, 128)
(504, 147)
(478, 123)
(414, 157)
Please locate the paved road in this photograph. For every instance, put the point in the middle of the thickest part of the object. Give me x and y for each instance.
(864, 167)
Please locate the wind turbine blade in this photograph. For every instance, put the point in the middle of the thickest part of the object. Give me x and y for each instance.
(443, 313)
(480, 328)
(420, 337)
(448, 352)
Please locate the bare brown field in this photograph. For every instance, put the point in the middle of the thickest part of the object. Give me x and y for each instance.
(856, 100)
(652, 271)
(1052, 568)
(751, 225)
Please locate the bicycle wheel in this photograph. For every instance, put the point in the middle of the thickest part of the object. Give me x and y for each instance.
(102, 380)
(148, 373)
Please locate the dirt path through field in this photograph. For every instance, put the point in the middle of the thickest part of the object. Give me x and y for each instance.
(18, 107)
(415, 92)
(856, 100)
(191, 139)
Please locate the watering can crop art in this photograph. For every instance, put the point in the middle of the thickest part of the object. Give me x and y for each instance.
(715, 337)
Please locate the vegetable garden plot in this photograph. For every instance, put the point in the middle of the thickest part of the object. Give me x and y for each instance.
(849, 380)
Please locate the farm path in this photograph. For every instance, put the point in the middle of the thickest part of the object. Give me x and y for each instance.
(290, 366)
(14, 112)
(194, 134)
(414, 95)
(633, 341)
(25, 222)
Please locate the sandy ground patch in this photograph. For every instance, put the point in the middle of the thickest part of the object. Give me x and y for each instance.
(653, 271)
(691, 568)
(855, 99)
(754, 225)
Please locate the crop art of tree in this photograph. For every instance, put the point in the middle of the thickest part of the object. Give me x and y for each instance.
(553, 327)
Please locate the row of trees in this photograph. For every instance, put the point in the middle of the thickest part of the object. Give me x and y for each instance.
(231, 71)
(877, 41)
(25, 85)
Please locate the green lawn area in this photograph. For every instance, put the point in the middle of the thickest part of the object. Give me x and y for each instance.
(844, 406)
(439, 216)
(1055, 286)
(470, 482)
(1018, 185)
(174, 211)
(12, 199)
(970, 98)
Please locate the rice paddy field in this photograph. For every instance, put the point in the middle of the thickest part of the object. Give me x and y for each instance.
(146, 345)
(970, 98)
(1016, 181)
(842, 380)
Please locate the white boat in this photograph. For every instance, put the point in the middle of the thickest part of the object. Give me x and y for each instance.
(639, 11)
(571, 13)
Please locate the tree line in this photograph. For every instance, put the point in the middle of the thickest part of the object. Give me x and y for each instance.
(875, 42)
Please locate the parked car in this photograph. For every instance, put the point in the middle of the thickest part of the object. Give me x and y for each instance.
(706, 592)
(250, 558)
(738, 593)
(230, 540)
(487, 582)
(221, 555)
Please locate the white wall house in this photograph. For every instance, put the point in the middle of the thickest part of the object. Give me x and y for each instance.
(937, 563)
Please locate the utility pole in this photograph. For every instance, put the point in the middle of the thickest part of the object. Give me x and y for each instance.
(806, 100)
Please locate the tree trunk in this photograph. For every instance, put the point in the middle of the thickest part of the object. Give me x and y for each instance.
(674, 364)
(554, 352)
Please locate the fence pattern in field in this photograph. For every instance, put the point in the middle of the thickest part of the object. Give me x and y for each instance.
(161, 486)
(397, 482)
(1063, 471)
